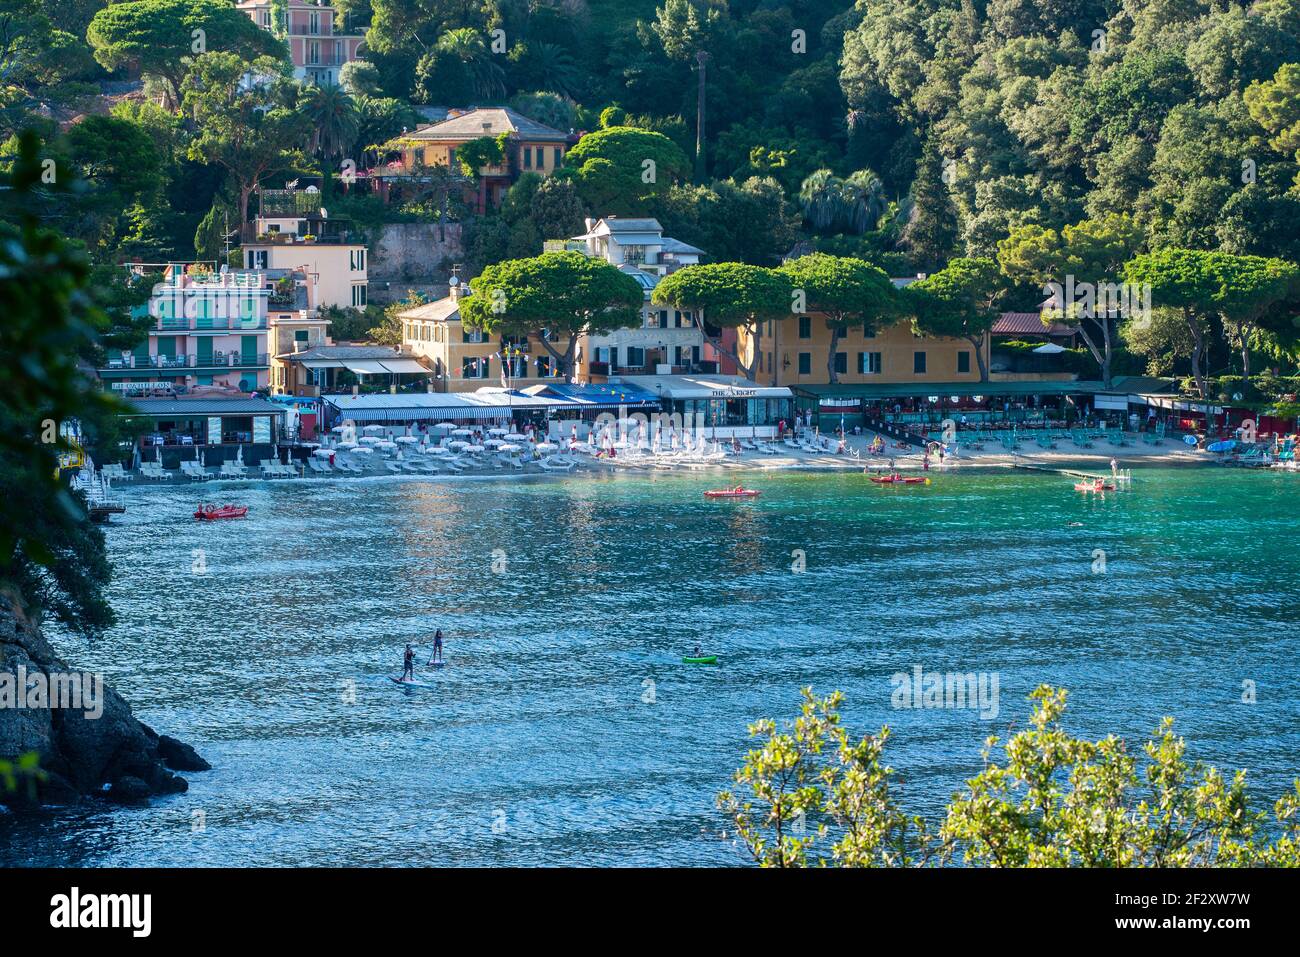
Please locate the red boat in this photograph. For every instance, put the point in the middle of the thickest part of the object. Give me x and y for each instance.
(213, 512)
(737, 492)
(897, 479)
(1097, 486)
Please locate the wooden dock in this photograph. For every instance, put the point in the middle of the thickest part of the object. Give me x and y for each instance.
(1074, 473)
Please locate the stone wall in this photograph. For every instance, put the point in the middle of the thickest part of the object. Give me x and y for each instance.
(413, 256)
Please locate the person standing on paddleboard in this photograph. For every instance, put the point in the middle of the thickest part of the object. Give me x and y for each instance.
(408, 664)
(437, 647)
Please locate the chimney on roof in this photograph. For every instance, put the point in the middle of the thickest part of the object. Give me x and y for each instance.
(589, 223)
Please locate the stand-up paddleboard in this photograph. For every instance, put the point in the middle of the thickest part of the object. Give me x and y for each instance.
(409, 683)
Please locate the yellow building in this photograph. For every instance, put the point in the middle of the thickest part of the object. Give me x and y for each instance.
(530, 147)
(463, 359)
(795, 351)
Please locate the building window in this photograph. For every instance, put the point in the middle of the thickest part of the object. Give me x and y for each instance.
(841, 362)
(867, 331)
(559, 157)
(805, 363)
(918, 363)
(663, 318)
(359, 295)
(357, 258)
(868, 363)
(471, 335)
(475, 367)
(635, 356)
(963, 362)
(805, 327)
(528, 157)
(301, 335)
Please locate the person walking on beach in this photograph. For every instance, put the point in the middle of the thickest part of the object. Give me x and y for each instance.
(408, 664)
(1114, 468)
(437, 646)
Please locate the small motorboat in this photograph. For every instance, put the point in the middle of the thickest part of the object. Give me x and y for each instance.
(1097, 486)
(211, 513)
(897, 479)
(737, 492)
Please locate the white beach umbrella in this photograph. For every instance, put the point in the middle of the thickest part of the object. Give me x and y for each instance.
(491, 443)
(497, 431)
(457, 444)
(373, 430)
(509, 447)
(386, 446)
(547, 447)
(516, 437)
(371, 440)
(322, 453)
(462, 432)
(445, 425)
(406, 439)
(473, 448)
(363, 450)
(1049, 349)
(339, 428)
(436, 450)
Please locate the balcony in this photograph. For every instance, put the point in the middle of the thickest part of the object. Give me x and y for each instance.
(218, 360)
(219, 324)
(249, 236)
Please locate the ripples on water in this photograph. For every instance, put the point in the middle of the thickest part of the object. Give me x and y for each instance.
(535, 745)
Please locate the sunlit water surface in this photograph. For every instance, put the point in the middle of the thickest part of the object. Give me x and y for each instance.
(565, 728)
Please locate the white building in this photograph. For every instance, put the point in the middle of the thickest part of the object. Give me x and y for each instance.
(667, 340)
(293, 231)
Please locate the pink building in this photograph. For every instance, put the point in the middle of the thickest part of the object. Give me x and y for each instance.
(318, 52)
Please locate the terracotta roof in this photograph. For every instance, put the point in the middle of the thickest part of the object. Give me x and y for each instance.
(1028, 324)
(470, 126)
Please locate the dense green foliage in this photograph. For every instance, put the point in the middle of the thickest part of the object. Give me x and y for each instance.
(1057, 140)
(810, 794)
(550, 298)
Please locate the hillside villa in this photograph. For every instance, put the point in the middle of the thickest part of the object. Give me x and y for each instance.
(531, 147)
(317, 51)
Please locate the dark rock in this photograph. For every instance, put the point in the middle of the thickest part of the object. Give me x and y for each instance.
(129, 790)
(79, 753)
(179, 756)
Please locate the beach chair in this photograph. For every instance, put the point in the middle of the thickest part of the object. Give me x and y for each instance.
(314, 464)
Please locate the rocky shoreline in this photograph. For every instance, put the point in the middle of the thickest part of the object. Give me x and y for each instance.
(104, 752)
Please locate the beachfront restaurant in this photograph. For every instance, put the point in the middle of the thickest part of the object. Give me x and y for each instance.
(485, 407)
(218, 429)
(579, 405)
(724, 405)
(924, 406)
(1053, 403)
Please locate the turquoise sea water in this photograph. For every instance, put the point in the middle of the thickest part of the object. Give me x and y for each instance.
(541, 742)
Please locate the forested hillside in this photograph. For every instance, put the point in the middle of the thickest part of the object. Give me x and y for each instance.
(904, 132)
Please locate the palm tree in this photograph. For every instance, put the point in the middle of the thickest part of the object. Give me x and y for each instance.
(555, 68)
(487, 76)
(819, 196)
(862, 201)
(831, 204)
(335, 120)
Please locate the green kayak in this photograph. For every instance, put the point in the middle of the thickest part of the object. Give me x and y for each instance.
(700, 659)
